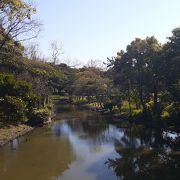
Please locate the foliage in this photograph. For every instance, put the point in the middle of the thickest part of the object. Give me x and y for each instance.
(16, 7)
(90, 82)
(17, 23)
(16, 98)
(165, 115)
(142, 80)
(39, 116)
(44, 77)
(148, 76)
(11, 87)
(13, 109)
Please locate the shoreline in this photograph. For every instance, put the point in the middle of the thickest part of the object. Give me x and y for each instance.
(12, 132)
(118, 118)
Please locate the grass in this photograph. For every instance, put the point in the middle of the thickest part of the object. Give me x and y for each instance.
(95, 105)
(79, 100)
(55, 98)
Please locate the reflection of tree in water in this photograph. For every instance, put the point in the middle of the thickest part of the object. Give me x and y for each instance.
(87, 125)
(145, 154)
(94, 130)
(144, 163)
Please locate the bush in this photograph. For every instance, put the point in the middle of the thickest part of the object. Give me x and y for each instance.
(165, 115)
(136, 112)
(17, 99)
(39, 116)
(13, 109)
(108, 105)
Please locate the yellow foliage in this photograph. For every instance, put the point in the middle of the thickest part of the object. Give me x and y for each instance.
(16, 7)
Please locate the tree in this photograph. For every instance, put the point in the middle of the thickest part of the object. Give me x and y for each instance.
(17, 99)
(91, 83)
(94, 63)
(172, 62)
(32, 52)
(137, 70)
(16, 22)
(56, 51)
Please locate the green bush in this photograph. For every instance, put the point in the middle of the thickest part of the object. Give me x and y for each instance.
(165, 115)
(80, 100)
(172, 113)
(32, 100)
(13, 109)
(136, 112)
(17, 99)
(125, 106)
(39, 116)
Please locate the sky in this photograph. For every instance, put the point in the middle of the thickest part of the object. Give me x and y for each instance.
(97, 29)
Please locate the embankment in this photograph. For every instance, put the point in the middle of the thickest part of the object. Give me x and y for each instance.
(12, 132)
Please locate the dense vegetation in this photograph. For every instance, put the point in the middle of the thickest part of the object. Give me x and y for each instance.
(25, 85)
(141, 83)
(147, 74)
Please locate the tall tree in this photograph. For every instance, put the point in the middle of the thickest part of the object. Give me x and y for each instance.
(172, 58)
(138, 70)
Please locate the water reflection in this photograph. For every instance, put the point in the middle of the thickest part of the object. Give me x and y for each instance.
(82, 145)
(146, 154)
(39, 158)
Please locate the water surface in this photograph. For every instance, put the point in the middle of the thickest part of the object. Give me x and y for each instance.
(82, 145)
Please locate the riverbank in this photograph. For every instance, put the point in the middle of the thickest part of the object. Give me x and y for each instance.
(42, 117)
(12, 132)
(118, 118)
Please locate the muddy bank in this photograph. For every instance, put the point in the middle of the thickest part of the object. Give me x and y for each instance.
(12, 132)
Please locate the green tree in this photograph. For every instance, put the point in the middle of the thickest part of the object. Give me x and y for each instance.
(91, 83)
(17, 99)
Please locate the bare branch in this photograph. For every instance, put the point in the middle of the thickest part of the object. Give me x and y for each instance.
(57, 50)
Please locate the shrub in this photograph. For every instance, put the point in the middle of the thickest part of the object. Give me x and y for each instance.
(49, 106)
(39, 116)
(32, 100)
(16, 99)
(136, 112)
(108, 105)
(13, 109)
(165, 115)
(21, 89)
(172, 113)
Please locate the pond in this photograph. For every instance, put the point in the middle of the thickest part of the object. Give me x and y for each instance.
(84, 145)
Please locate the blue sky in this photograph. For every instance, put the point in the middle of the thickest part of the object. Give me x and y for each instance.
(97, 29)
